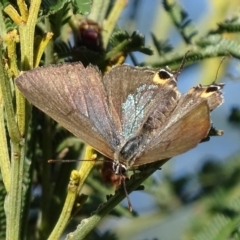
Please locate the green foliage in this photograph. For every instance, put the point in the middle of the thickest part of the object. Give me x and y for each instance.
(220, 200)
(50, 7)
(59, 19)
(229, 25)
(235, 115)
(82, 7)
(2, 213)
(163, 47)
(134, 42)
(220, 228)
(180, 18)
(5, 3)
(9, 24)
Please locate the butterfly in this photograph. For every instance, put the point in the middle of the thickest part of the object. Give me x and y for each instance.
(132, 115)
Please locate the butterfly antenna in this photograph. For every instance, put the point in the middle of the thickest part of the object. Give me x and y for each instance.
(126, 193)
(220, 64)
(123, 181)
(182, 64)
(93, 159)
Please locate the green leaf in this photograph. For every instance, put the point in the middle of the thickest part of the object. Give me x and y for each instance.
(58, 19)
(62, 49)
(118, 36)
(86, 56)
(9, 24)
(220, 228)
(4, 3)
(180, 18)
(135, 42)
(229, 25)
(82, 6)
(50, 7)
(161, 46)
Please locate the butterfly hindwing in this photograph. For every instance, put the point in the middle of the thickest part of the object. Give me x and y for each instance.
(178, 137)
(187, 125)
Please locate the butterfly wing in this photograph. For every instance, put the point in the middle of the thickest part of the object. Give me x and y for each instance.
(75, 97)
(188, 124)
(179, 137)
(134, 93)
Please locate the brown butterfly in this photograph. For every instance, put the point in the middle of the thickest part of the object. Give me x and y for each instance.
(132, 115)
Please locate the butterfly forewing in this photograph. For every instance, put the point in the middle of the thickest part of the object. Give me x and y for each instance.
(75, 97)
(133, 96)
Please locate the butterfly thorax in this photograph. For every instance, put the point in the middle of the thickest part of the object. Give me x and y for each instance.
(132, 149)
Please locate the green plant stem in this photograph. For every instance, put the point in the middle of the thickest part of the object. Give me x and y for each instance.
(13, 14)
(77, 180)
(67, 208)
(2, 23)
(6, 101)
(4, 157)
(27, 195)
(98, 186)
(49, 50)
(8, 105)
(208, 47)
(23, 9)
(26, 32)
(120, 47)
(112, 19)
(27, 36)
(42, 46)
(46, 187)
(14, 204)
(99, 10)
(15, 198)
(11, 39)
(88, 224)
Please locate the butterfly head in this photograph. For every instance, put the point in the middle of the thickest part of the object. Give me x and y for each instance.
(118, 168)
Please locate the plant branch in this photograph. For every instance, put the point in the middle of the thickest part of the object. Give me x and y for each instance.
(8, 105)
(119, 48)
(75, 185)
(23, 9)
(209, 47)
(4, 156)
(27, 36)
(14, 204)
(41, 47)
(13, 14)
(88, 224)
(11, 39)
